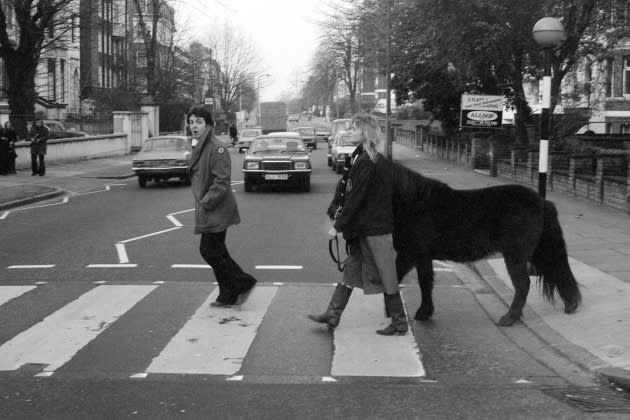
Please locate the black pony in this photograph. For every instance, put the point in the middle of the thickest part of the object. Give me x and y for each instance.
(435, 222)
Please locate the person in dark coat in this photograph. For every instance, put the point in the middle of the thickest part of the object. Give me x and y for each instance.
(366, 221)
(39, 139)
(233, 134)
(9, 132)
(215, 207)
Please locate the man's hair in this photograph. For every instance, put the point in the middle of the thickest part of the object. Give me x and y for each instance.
(372, 136)
(199, 111)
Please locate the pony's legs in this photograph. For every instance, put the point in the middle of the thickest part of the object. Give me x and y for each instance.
(424, 267)
(519, 275)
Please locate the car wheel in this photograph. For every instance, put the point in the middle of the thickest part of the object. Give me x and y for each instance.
(339, 168)
(186, 180)
(240, 150)
(248, 185)
(329, 161)
(306, 185)
(315, 145)
(142, 181)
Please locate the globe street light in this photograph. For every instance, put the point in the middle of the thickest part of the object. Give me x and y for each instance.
(260, 76)
(549, 34)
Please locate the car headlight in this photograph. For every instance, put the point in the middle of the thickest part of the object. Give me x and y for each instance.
(342, 156)
(252, 165)
(300, 165)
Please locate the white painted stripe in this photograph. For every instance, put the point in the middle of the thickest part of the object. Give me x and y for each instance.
(448, 270)
(190, 266)
(45, 374)
(123, 258)
(278, 267)
(111, 265)
(31, 266)
(41, 282)
(215, 340)
(174, 220)
(139, 375)
(148, 235)
(8, 293)
(58, 337)
(328, 379)
(4, 215)
(359, 351)
(107, 188)
(100, 282)
(277, 283)
(235, 378)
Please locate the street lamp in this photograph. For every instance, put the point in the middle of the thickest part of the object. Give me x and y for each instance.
(549, 34)
(260, 76)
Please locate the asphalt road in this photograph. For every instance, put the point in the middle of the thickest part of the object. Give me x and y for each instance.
(93, 329)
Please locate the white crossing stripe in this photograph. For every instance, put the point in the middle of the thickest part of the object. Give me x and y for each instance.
(359, 351)
(58, 337)
(8, 293)
(215, 340)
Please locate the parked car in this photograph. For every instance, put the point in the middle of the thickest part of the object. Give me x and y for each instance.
(277, 158)
(57, 130)
(246, 137)
(307, 134)
(343, 145)
(322, 134)
(294, 118)
(162, 158)
(340, 124)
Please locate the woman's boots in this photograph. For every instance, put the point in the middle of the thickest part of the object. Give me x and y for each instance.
(394, 308)
(337, 304)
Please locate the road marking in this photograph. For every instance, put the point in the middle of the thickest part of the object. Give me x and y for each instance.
(4, 215)
(8, 293)
(278, 267)
(106, 188)
(190, 266)
(139, 375)
(235, 378)
(148, 235)
(359, 351)
(328, 379)
(58, 337)
(123, 258)
(31, 266)
(111, 265)
(215, 340)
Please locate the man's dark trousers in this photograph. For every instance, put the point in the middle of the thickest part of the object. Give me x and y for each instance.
(38, 169)
(231, 278)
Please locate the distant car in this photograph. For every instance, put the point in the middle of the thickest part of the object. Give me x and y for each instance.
(307, 134)
(277, 158)
(294, 118)
(162, 158)
(322, 134)
(340, 124)
(246, 137)
(341, 147)
(57, 130)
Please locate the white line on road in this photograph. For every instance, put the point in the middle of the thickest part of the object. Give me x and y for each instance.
(279, 267)
(8, 293)
(148, 235)
(111, 265)
(122, 254)
(4, 215)
(31, 266)
(190, 266)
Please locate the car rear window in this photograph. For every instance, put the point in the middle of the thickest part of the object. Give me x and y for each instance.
(278, 144)
(165, 144)
(306, 131)
(249, 133)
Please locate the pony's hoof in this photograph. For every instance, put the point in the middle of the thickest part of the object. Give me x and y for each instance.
(570, 308)
(423, 314)
(507, 320)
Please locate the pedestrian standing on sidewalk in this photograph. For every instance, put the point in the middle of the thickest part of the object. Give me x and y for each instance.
(215, 207)
(233, 134)
(39, 139)
(9, 132)
(366, 221)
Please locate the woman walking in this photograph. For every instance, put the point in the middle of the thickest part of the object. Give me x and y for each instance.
(366, 222)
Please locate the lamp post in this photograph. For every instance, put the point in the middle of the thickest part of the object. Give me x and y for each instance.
(260, 76)
(549, 34)
(388, 75)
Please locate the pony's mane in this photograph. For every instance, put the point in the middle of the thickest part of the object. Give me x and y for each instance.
(408, 183)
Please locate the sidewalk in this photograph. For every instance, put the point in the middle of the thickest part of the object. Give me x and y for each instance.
(597, 337)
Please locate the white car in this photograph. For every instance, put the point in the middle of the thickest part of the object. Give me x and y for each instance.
(342, 146)
(246, 137)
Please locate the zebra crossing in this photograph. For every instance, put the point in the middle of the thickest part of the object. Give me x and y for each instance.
(140, 330)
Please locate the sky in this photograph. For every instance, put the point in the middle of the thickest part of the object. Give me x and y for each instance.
(284, 32)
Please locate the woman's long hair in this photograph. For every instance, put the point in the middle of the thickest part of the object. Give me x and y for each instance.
(372, 137)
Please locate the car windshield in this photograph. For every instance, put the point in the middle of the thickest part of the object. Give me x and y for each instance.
(341, 125)
(322, 130)
(249, 134)
(166, 144)
(346, 140)
(277, 145)
(306, 131)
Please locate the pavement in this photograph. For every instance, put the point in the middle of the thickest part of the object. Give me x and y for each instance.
(596, 338)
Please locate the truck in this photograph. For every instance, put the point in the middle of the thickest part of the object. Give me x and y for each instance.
(273, 117)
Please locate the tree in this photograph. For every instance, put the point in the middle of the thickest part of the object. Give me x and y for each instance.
(40, 26)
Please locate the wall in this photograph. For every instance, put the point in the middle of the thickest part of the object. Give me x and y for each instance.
(77, 148)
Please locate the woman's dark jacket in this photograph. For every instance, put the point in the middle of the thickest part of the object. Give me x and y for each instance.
(367, 209)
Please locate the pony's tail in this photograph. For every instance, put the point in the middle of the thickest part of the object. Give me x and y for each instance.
(552, 262)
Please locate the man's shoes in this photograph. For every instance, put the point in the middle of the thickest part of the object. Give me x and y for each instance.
(218, 304)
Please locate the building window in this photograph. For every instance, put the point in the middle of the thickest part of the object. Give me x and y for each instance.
(3, 81)
(141, 58)
(52, 80)
(609, 77)
(626, 75)
(62, 79)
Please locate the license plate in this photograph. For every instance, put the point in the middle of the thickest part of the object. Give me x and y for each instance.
(276, 176)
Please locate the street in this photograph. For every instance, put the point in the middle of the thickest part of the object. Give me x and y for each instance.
(104, 309)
